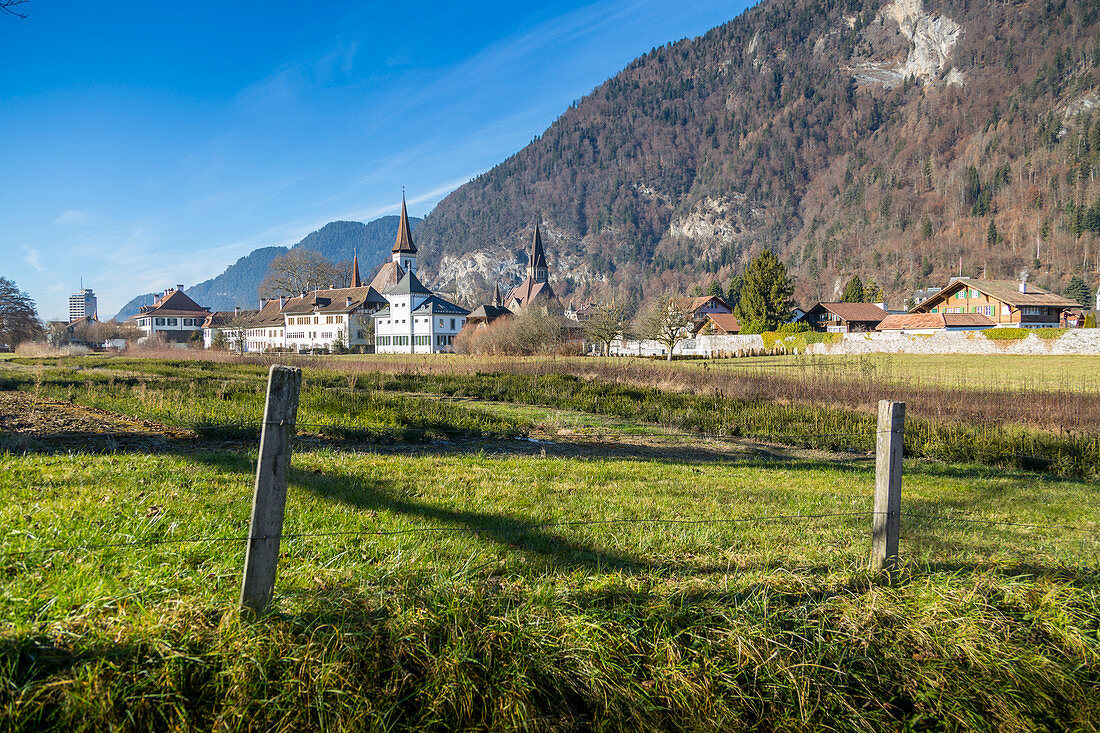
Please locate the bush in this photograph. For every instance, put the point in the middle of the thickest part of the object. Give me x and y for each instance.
(753, 327)
(793, 328)
(1006, 334)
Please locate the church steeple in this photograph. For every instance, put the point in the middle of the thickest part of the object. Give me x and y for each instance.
(536, 265)
(356, 282)
(496, 296)
(404, 250)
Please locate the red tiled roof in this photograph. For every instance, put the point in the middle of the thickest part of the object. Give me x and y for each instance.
(907, 321)
(390, 274)
(332, 301)
(529, 291)
(725, 322)
(853, 312)
(175, 303)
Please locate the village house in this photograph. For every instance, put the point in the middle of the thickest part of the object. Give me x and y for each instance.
(173, 317)
(720, 323)
(700, 307)
(484, 315)
(1005, 302)
(844, 317)
(330, 319)
(413, 320)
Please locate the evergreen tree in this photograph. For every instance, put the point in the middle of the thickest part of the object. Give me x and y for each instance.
(926, 228)
(853, 291)
(765, 293)
(1079, 291)
(991, 235)
(19, 320)
(715, 289)
(733, 295)
(872, 293)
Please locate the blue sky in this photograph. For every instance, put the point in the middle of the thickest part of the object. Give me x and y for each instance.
(147, 144)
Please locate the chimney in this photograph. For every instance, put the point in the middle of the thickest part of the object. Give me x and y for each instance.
(1023, 282)
(236, 310)
(303, 294)
(282, 301)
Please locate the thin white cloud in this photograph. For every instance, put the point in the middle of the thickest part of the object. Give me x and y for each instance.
(70, 217)
(33, 258)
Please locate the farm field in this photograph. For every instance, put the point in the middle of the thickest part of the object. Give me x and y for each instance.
(482, 563)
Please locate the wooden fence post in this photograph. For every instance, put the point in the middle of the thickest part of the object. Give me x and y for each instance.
(888, 454)
(269, 500)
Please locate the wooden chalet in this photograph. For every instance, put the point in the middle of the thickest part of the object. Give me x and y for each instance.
(1005, 302)
(844, 317)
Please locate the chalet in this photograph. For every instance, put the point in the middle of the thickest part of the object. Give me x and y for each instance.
(173, 317)
(844, 317)
(721, 323)
(413, 320)
(535, 288)
(698, 308)
(1005, 302)
(927, 323)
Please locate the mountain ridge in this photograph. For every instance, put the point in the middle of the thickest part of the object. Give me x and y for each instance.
(238, 284)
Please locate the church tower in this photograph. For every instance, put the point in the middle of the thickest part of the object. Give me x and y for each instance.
(404, 251)
(536, 266)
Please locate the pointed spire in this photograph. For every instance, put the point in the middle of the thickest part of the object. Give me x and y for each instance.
(356, 282)
(404, 241)
(496, 295)
(536, 267)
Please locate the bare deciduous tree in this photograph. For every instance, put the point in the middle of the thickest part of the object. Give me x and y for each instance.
(296, 272)
(6, 7)
(665, 320)
(606, 325)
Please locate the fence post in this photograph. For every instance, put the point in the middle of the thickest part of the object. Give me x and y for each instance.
(886, 523)
(269, 500)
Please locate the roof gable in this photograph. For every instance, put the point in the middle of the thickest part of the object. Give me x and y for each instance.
(1005, 291)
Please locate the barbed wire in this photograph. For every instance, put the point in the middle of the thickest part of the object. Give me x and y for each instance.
(533, 526)
(493, 528)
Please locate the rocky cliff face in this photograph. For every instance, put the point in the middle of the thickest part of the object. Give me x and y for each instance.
(885, 139)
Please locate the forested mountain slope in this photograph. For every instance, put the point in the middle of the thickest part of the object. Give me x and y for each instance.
(338, 241)
(899, 141)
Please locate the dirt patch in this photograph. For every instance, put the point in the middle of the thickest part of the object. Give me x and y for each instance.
(34, 423)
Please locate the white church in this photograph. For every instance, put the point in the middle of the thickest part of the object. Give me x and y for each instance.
(415, 321)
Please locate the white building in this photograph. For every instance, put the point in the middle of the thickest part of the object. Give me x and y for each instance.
(262, 330)
(82, 304)
(173, 317)
(414, 321)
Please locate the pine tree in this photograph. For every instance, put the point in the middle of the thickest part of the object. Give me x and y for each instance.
(715, 289)
(1079, 291)
(853, 291)
(765, 293)
(991, 235)
(733, 295)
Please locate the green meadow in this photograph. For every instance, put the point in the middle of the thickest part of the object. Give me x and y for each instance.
(498, 562)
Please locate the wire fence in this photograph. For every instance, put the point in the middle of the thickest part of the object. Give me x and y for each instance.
(521, 526)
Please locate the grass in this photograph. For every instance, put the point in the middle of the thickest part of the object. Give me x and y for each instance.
(487, 585)
(505, 623)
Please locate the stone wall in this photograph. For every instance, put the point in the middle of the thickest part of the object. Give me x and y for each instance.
(1077, 341)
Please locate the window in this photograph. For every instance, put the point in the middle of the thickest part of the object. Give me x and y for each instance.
(172, 321)
(339, 319)
(160, 321)
(1032, 310)
(441, 323)
(452, 324)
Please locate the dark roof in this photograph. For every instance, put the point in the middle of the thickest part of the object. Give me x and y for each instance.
(408, 285)
(217, 318)
(175, 303)
(332, 301)
(853, 312)
(387, 277)
(434, 304)
(269, 315)
(356, 282)
(903, 321)
(538, 257)
(489, 312)
(404, 242)
(1006, 291)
